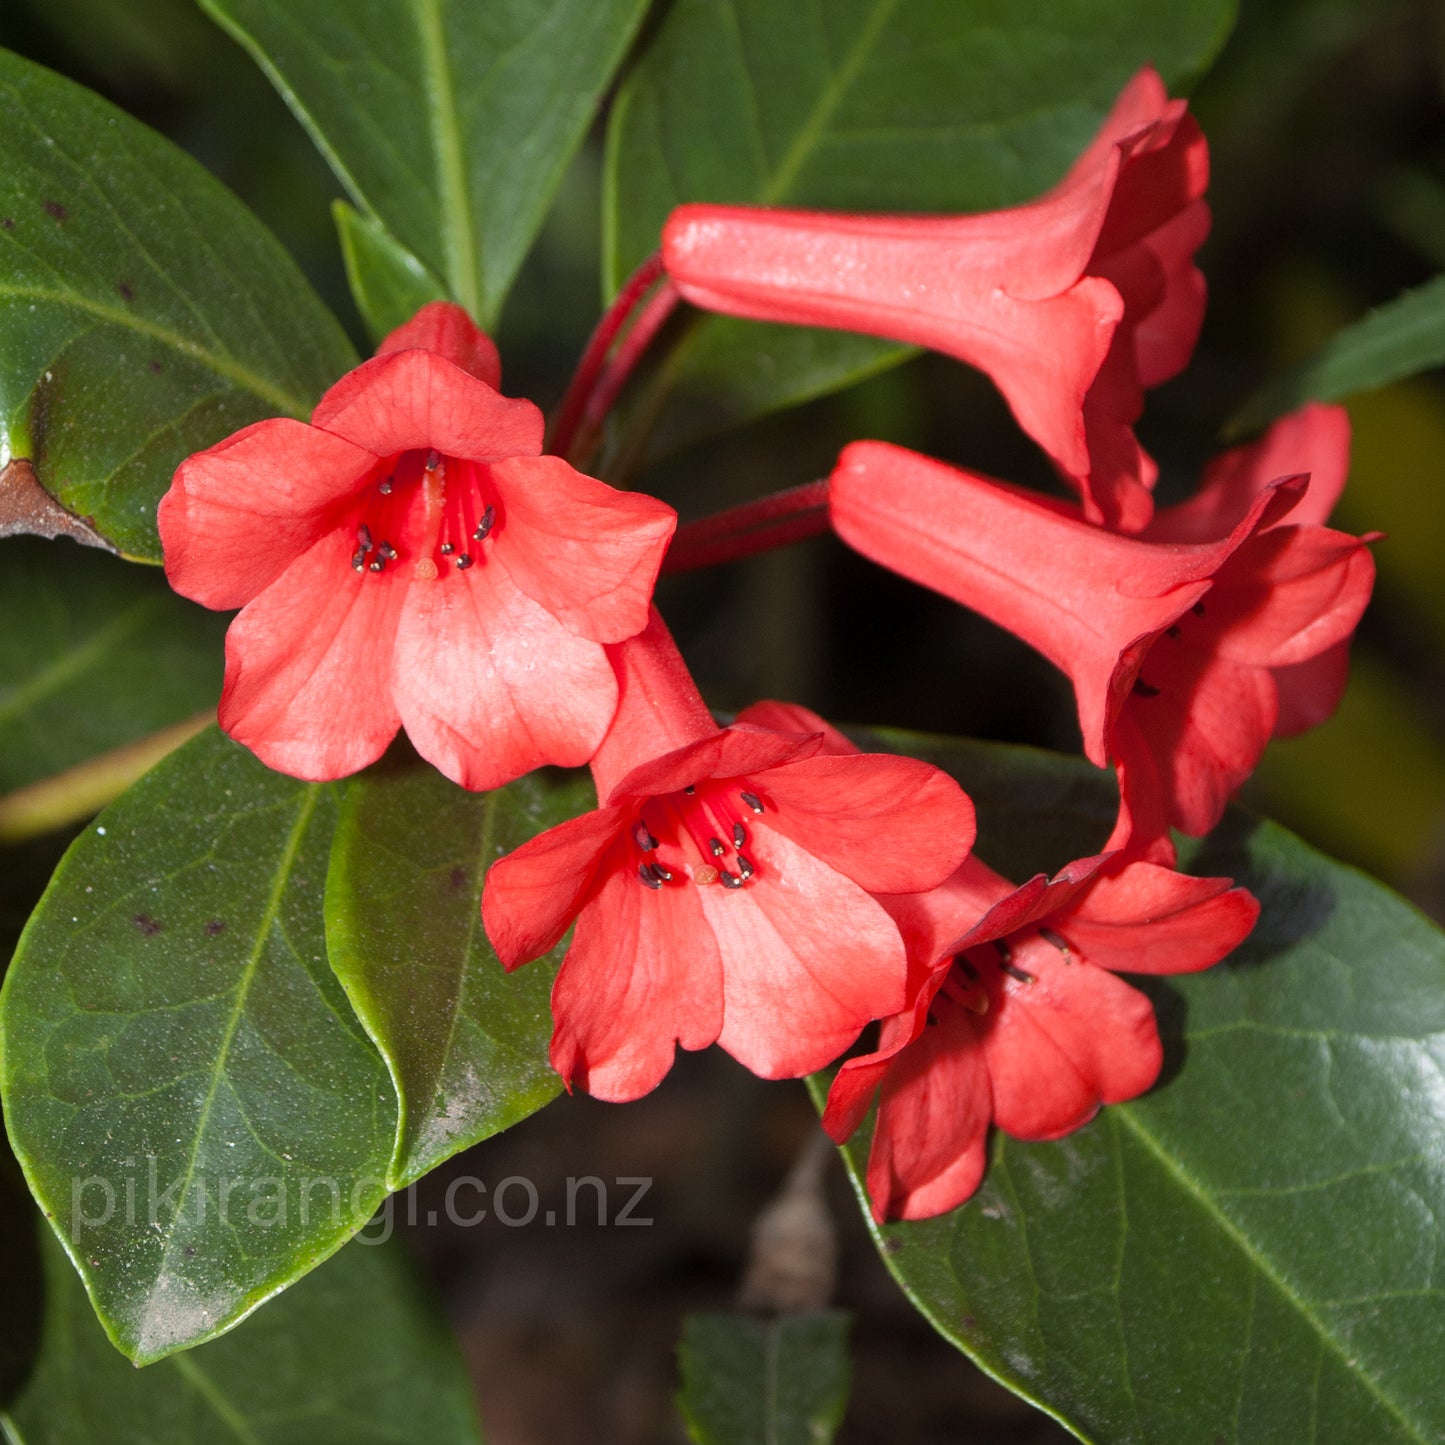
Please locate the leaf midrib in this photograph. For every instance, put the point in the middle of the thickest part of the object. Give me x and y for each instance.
(279, 399)
(459, 234)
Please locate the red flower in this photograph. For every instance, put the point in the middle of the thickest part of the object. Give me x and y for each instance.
(410, 559)
(721, 890)
(1176, 650)
(1014, 1012)
(1072, 304)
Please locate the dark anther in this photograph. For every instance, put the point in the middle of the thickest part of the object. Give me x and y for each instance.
(745, 869)
(385, 488)
(753, 801)
(1198, 609)
(485, 525)
(1172, 631)
(464, 561)
(932, 1022)
(643, 838)
(1143, 689)
(387, 551)
(358, 560)
(378, 565)
(718, 847)
(658, 871)
(645, 873)
(740, 835)
(690, 789)
(446, 549)
(1017, 973)
(729, 880)
(363, 537)
(1057, 939)
(1004, 952)
(969, 970)
(433, 460)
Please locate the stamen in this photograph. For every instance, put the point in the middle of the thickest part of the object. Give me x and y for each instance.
(1198, 609)
(489, 517)
(645, 873)
(1057, 939)
(463, 562)
(753, 801)
(433, 459)
(446, 549)
(1015, 972)
(1004, 952)
(363, 537)
(1172, 631)
(745, 869)
(643, 838)
(385, 488)
(690, 789)
(658, 871)
(718, 847)
(358, 560)
(969, 970)
(387, 552)
(377, 565)
(740, 835)
(728, 880)
(1143, 688)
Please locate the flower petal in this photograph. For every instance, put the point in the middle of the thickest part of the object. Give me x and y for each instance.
(308, 666)
(808, 958)
(587, 552)
(1288, 594)
(444, 328)
(1147, 919)
(1074, 1038)
(532, 895)
(417, 400)
(642, 975)
(489, 685)
(1309, 692)
(928, 1152)
(241, 512)
(892, 824)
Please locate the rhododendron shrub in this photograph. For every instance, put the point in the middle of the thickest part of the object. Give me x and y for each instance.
(416, 785)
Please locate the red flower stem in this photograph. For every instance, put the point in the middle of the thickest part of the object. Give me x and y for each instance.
(594, 357)
(650, 320)
(774, 521)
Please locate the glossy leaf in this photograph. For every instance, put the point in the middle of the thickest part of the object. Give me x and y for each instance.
(388, 283)
(318, 1367)
(1251, 1251)
(94, 654)
(878, 105)
(749, 1381)
(126, 340)
(450, 123)
(194, 1105)
(466, 1043)
(1399, 339)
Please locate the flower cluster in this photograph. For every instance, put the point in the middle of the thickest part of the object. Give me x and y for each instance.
(412, 559)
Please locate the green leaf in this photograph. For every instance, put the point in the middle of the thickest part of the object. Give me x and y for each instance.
(879, 105)
(1251, 1251)
(94, 654)
(194, 1105)
(145, 313)
(388, 283)
(449, 123)
(1399, 339)
(465, 1042)
(354, 1355)
(747, 1381)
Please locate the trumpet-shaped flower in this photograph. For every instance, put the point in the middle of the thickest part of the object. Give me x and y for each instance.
(1176, 649)
(722, 890)
(410, 559)
(1073, 303)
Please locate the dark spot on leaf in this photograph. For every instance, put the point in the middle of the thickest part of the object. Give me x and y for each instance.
(127, 291)
(459, 878)
(8, 222)
(970, 1322)
(155, 366)
(214, 927)
(55, 209)
(892, 1244)
(148, 925)
(190, 1252)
